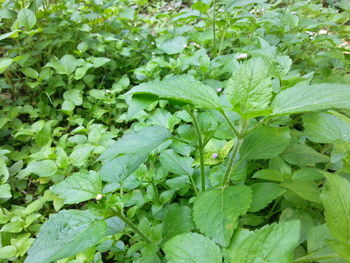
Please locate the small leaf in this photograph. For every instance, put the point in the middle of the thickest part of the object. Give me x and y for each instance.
(216, 212)
(250, 85)
(192, 247)
(5, 63)
(171, 45)
(78, 187)
(182, 88)
(336, 202)
(263, 195)
(45, 168)
(311, 98)
(305, 189)
(269, 174)
(30, 72)
(137, 142)
(66, 234)
(261, 246)
(265, 142)
(26, 18)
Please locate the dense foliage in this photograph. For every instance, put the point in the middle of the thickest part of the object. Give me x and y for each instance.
(175, 131)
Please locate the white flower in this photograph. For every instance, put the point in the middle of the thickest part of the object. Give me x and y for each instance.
(323, 32)
(242, 56)
(218, 90)
(99, 197)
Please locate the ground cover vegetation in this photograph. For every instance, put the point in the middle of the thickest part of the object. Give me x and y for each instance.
(200, 131)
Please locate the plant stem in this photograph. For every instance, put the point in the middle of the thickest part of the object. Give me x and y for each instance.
(309, 258)
(232, 162)
(214, 24)
(131, 225)
(152, 173)
(236, 132)
(200, 148)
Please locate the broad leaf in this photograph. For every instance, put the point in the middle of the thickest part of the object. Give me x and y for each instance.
(263, 195)
(301, 154)
(311, 98)
(326, 128)
(178, 220)
(66, 234)
(271, 244)
(26, 18)
(119, 168)
(192, 247)
(250, 86)
(79, 187)
(175, 163)
(265, 142)
(305, 189)
(5, 63)
(216, 212)
(137, 142)
(182, 88)
(172, 45)
(336, 201)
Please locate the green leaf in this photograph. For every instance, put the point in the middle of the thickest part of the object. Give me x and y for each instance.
(5, 193)
(326, 128)
(5, 63)
(45, 168)
(118, 169)
(336, 202)
(7, 252)
(98, 61)
(269, 174)
(80, 155)
(250, 86)
(182, 88)
(311, 98)
(30, 72)
(137, 142)
(26, 18)
(66, 234)
(271, 244)
(263, 195)
(175, 163)
(178, 220)
(301, 154)
(216, 212)
(305, 189)
(79, 187)
(171, 45)
(264, 143)
(192, 247)
(343, 249)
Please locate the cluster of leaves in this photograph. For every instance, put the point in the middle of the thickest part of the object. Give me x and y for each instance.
(178, 131)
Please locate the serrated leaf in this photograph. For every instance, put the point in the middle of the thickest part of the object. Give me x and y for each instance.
(326, 128)
(182, 88)
(263, 195)
(336, 202)
(271, 244)
(311, 98)
(79, 187)
(137, 142)
(250, 86)
(265, 142)
(192, 247)
(216, 212)
(66, 234)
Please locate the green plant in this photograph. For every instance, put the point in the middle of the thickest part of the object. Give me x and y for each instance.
(181, 131)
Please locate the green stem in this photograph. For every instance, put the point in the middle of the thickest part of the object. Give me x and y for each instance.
(214, 24)
(200, 148)
(309, 258)
(232, 162)
(131, 225)
(155, 190)
(236, 132)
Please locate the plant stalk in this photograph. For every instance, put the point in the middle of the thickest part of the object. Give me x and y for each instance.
(200, 148)
(131, 225)
(214, 24)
